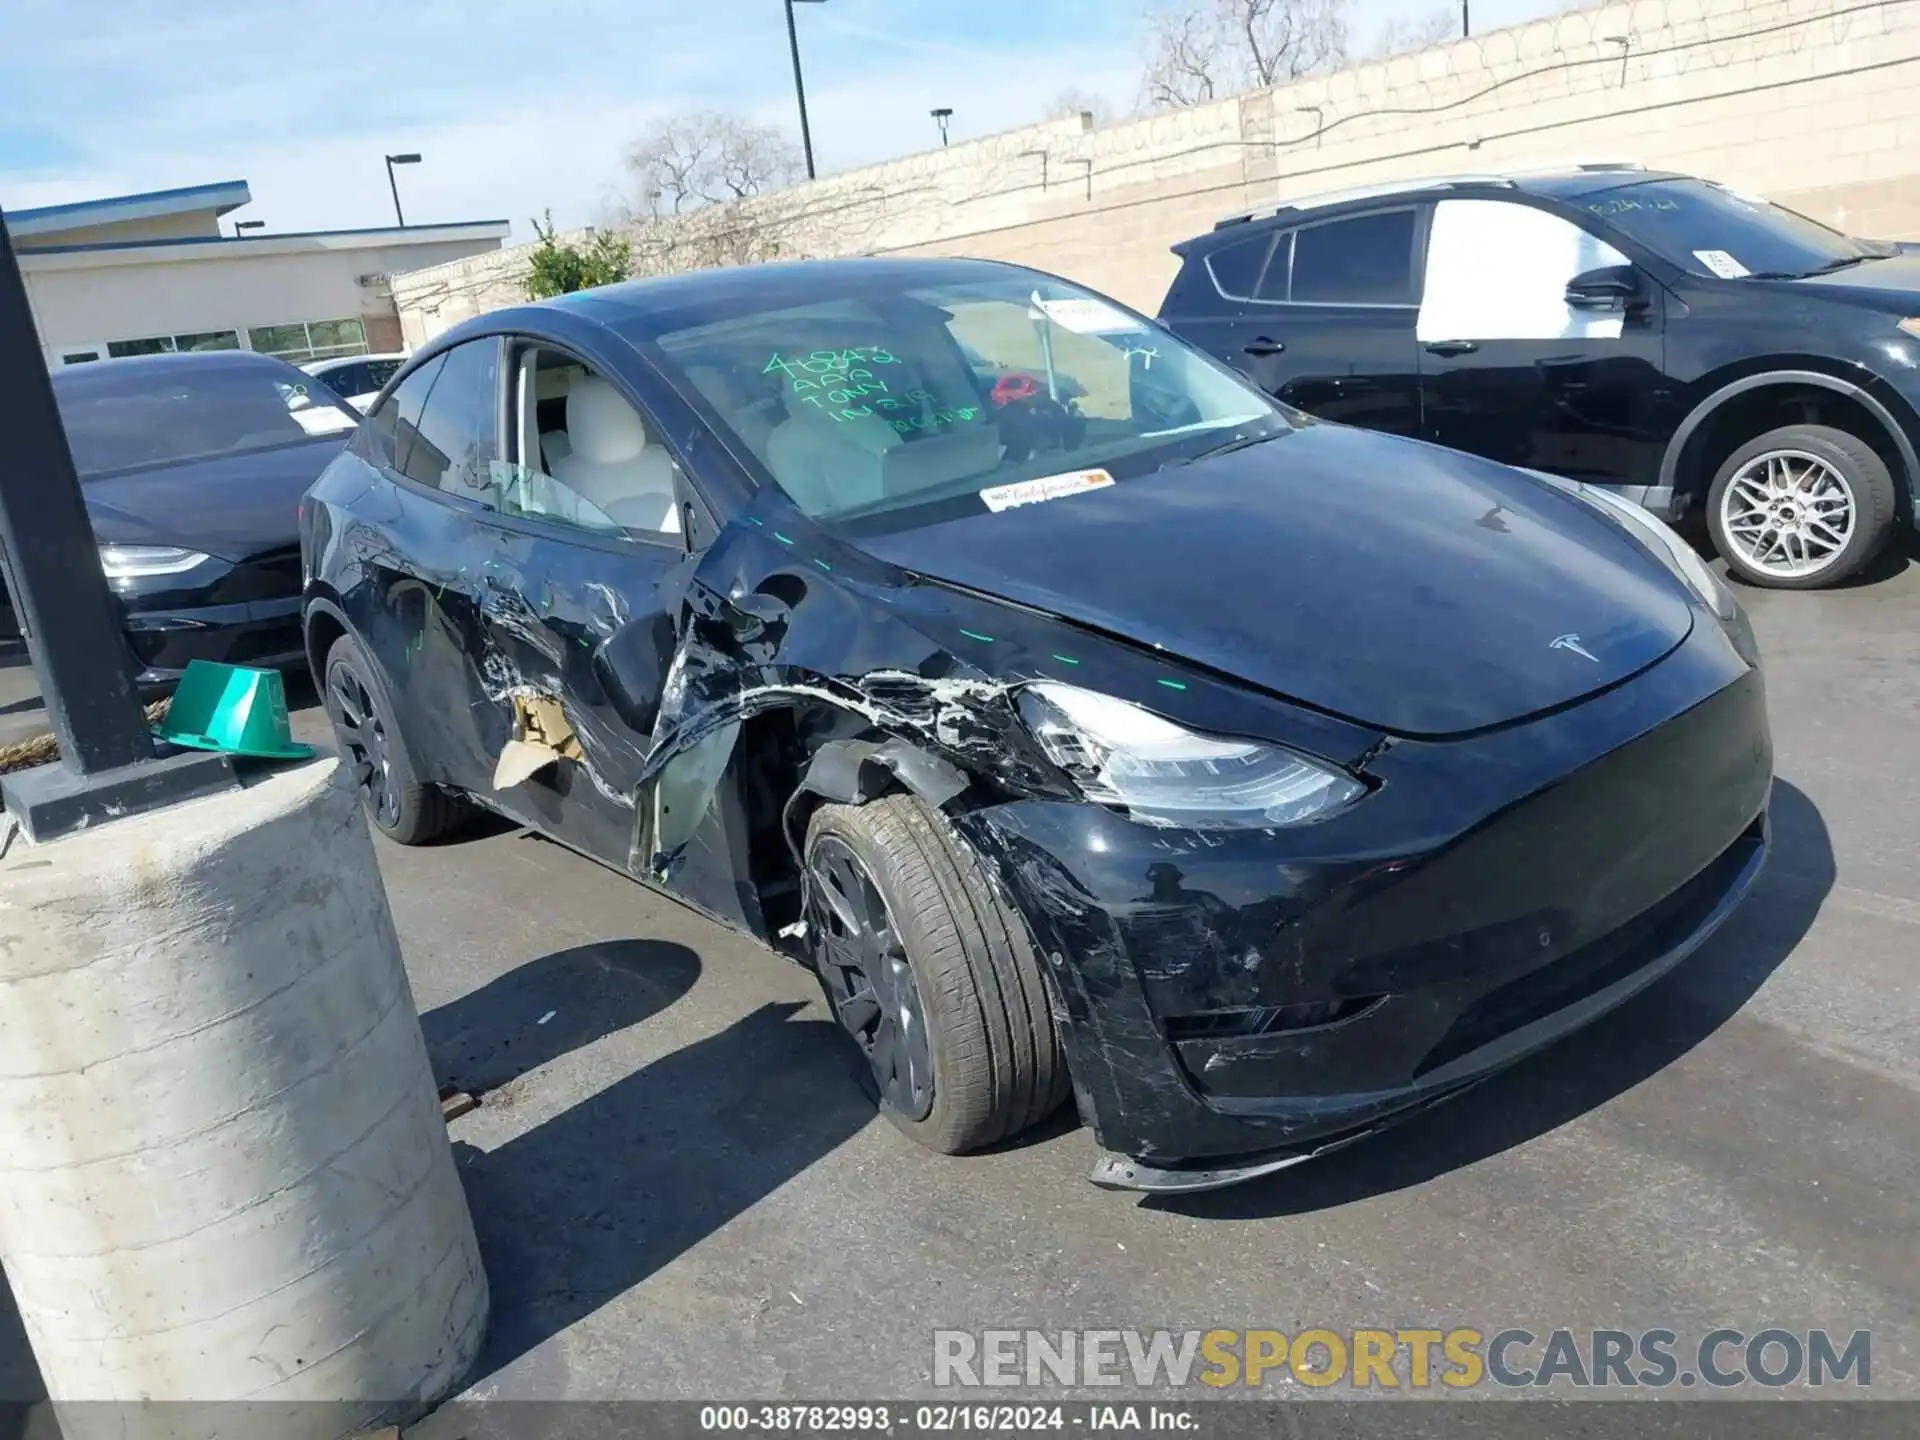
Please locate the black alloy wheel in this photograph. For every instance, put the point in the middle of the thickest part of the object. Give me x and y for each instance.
(363, 742)
(933, 977)
(868, 978)
(400, 806)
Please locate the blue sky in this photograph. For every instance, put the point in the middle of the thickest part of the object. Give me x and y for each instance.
(515, 107)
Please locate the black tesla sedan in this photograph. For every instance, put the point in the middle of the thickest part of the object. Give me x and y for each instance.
(192, 467)
(1089, 723)
(1692, 348)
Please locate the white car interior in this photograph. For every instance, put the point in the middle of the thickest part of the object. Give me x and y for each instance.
(585, 455)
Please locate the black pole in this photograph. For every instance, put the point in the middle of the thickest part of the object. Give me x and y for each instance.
(1466, 25)
(51, 566)
(394, 185)
(800, 89)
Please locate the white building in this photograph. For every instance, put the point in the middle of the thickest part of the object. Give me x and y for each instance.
(137, 274)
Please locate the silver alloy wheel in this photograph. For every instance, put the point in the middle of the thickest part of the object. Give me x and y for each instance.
(1788, 513)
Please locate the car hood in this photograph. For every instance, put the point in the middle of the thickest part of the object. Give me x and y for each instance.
(1893, 282)
(1406, 587)
(232, 506)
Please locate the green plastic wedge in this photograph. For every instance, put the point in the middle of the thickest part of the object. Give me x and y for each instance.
(232, 708)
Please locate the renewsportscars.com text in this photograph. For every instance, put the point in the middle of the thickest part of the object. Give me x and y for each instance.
(1402, 1359)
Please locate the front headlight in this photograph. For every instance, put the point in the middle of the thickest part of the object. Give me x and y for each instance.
(1121, 755)
(1659, 537)
(128, 562)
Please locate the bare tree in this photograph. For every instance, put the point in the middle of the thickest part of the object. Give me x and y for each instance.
(688, 161)
(1200, 50)
(1071, 102)
(1403, 35)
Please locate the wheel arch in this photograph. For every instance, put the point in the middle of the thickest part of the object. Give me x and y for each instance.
(1713, 428)
(323, 622)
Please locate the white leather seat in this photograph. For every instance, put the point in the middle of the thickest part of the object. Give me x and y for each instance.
(611, 465)
(824, 464)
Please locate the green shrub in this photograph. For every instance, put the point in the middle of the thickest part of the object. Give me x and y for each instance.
(561, 269)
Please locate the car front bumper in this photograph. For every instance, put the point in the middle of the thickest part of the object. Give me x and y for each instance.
(261, 633)
(1234, 1002)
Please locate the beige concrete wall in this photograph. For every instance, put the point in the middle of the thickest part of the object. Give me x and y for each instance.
(97, 296)
(1815, 103)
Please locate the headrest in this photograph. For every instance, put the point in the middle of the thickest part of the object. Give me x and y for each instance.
(601, 425)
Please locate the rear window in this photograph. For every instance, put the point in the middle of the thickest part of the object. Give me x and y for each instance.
(1367, 260)
(123, 419)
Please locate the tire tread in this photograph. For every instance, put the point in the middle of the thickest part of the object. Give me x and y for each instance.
(999, 1066)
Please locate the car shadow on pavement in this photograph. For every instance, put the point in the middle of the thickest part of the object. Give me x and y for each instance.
(546, 1008)
(1585, 1070)
(582, 1208)
(20, 1382)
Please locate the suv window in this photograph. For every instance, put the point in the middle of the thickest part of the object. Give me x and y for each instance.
(1367, 260)
(344, 382)
(376, 373)
(393, 424)
(453, 446)
(1499, 271)
(1236, 267)
(582, 455)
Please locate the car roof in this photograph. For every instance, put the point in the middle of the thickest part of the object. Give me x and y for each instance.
(336, 362)
(657, 302)
(1567, 182)
(131, 371)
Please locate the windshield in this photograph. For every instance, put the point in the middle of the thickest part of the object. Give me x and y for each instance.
(895, 406)
(1712, 231)
(125, 418)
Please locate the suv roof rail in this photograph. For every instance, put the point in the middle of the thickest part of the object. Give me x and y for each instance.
(1433, 182)
(1363, 192)
(1556, 167)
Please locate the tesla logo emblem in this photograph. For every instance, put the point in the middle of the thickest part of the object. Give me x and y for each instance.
(1572, 642)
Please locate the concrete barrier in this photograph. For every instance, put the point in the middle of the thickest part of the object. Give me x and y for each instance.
(223, 1173)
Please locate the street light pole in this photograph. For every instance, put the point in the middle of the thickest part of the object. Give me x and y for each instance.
(51, 565)
(799, 84)
(1466, 22)
(940, 118)
(393, 185)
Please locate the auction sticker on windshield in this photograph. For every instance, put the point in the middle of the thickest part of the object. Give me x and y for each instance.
(1085, 316)
(1721, 264)
(1047, 487)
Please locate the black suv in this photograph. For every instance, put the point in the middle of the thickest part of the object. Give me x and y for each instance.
(1661, 335)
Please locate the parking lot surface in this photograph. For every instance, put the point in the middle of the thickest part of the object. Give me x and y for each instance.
(682, 1192)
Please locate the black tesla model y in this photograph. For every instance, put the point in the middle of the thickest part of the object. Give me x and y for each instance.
(1089, 723)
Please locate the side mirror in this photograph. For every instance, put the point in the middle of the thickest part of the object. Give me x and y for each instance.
(1611, 287)
(630, 667)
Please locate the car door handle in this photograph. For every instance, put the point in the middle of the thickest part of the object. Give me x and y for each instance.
(1262, 345)
(1453, 347)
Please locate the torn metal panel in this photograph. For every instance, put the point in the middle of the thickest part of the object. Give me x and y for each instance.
(542, 736)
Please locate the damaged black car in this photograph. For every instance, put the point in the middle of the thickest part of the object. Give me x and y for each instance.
(1091, 724)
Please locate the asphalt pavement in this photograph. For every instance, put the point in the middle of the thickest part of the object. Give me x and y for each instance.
(681, 1192)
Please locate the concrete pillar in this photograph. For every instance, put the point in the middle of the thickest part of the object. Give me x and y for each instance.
(223, 1172)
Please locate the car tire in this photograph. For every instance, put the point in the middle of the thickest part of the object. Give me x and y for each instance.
(399, 805)
(1747, 507)
(961, 968)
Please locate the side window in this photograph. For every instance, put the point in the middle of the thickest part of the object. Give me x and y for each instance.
(376, 373)
(1236, 268)
(583, 456)
(1277, 279)
(345, 382)
(453, 446)
(392, 425)
(1499, 271)
(1367, 260)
